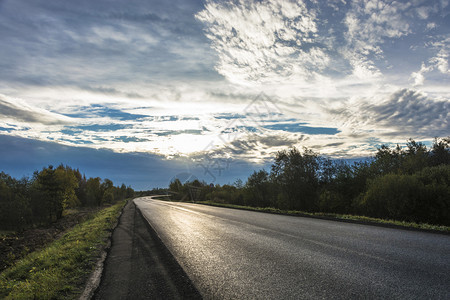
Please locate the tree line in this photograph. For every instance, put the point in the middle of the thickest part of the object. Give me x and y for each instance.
(44, 197)
(409, 183)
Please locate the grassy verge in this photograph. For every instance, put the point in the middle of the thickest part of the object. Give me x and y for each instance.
(60, 270)
(350, 218)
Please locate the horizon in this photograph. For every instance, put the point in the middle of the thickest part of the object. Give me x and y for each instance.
(133, 167)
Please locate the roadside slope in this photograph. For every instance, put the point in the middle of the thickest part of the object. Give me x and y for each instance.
(60, 270)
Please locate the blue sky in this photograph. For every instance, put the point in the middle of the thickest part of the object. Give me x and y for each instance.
(216, 87)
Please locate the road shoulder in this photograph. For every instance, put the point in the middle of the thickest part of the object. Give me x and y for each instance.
(139, 266)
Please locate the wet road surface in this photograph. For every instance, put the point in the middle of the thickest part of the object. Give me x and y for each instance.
(237, 254)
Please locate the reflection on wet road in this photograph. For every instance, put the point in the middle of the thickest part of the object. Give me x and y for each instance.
(231, 253)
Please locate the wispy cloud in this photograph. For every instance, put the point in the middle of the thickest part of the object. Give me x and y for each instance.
(263, 41)
(369, 23)
(16, 110)
(298, 46)
(405, 113)
(437, 63)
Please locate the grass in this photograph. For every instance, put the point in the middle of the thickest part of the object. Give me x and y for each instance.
(60, 270)
(4, 233)
(351, 218)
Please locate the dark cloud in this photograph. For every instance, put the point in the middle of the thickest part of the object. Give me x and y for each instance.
(23, 156)
(90, 43)
(27, 114)
(275, 141)
(300, 127)
(333, 145)
(404, 113)
(177, 132)
(250, 144)
(140, 170)
(411, 108)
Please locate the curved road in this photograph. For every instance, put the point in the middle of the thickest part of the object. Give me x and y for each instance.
(237, 254)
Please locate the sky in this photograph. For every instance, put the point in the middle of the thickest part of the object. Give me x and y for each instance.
(142, 91)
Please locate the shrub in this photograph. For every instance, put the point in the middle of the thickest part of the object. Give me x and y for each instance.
(421, 197)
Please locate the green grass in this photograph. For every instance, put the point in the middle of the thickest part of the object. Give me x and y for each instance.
(355, 218)
(60, 270)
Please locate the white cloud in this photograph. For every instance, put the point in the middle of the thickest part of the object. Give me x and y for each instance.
(431, 26)
(418, 76)
(261, 42)
(333, 64)
(423, 12)
(298, 43)
(440, 61)
(369, 23)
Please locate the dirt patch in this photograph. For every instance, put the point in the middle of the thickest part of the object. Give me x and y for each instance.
(14, 246)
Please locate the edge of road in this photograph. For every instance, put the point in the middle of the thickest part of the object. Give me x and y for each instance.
(180, 280)
(190, 290)
(93, 282)
(330, 218)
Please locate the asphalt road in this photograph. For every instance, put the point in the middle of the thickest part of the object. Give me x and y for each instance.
(237, 254)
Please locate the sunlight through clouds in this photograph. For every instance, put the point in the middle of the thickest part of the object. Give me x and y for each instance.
(316, 56)
(179, 78)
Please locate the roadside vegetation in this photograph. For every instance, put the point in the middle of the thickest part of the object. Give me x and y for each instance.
(153, 192)
(50, 193)
(60, 270)
(332, 216)
(36, 211)
(410, 185)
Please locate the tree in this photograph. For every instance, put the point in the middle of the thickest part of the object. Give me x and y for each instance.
(440, 152)
(123, 191)
(67, 181)
(93, 192)
(130, 192)
(54, 190)
(394, 196)
(107, 188)
(176, 189)
(80, 190)
(297, 175)
(238, 183)
(416, 157)
(15, 209)
(420, 197)
(387, 160)
(257, 189)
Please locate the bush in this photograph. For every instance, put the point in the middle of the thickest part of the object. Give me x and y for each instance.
(421, 197)
(436, 194)
(332, 202)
